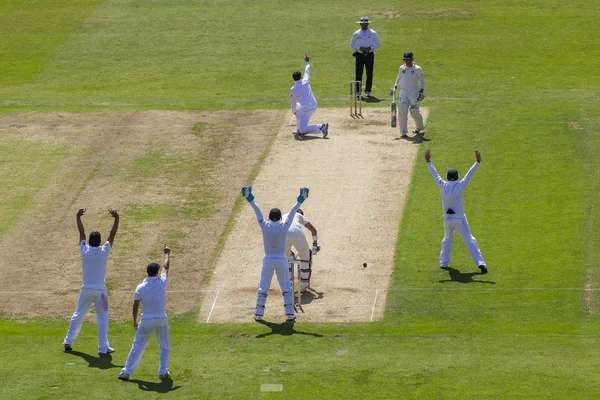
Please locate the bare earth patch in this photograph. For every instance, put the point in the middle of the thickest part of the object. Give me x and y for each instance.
(358, 179)
(138, 163)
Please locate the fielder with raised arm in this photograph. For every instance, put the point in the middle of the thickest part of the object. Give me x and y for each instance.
(455, 219)
(304, 104)
(412, 84)
(275, 260)
(297, 239)
(151, 293)
(93, 267)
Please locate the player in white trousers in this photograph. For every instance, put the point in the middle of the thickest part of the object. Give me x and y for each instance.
(275, 260)
(152, 294)
(412, 85)
(93, 267)
(304, 104)
(454, 212)
(297, 239)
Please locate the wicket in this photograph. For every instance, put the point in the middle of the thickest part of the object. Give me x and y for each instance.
(295, 278)
(356, 99)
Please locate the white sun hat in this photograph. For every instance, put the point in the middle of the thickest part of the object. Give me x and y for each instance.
(363, 20)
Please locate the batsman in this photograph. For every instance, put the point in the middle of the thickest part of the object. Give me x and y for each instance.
(412, 85)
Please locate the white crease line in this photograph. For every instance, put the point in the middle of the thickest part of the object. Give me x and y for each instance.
(213, 307)
(374, 303)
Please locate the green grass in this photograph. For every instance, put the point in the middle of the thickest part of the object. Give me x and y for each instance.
(517, 80)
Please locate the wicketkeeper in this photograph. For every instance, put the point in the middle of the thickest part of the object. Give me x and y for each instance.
(275, 260)
(297, 239)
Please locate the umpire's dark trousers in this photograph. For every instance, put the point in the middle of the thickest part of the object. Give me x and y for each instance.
(364, 60)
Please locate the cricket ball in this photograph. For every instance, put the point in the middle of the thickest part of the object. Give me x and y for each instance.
(364, 265)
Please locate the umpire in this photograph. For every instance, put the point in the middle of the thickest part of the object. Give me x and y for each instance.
(364, 42)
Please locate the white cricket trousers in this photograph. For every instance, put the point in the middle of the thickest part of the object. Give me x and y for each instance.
(301, 245)
(461, 226)
(303, 119)
(279, 266)
(161, 327)
(100, 299)
(408, 101)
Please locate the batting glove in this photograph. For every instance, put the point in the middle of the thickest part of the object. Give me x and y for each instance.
(421, 96)
(303, 195)
(315, 248)
(247, 193)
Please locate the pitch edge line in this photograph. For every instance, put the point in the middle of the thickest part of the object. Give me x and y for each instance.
(374, 303)
(213, 306)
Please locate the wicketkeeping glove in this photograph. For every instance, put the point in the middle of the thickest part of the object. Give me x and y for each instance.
(315, 248)
(247, 193)
(303, 195)
(421, 96)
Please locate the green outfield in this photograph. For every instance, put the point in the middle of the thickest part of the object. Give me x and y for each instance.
(517, 80)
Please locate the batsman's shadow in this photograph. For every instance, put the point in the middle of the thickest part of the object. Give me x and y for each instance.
(457, 276)
(164, 386)
(417, 139)
(371, 99)
(100, 362)
(308, 136)
(284, 329)
(311, 295)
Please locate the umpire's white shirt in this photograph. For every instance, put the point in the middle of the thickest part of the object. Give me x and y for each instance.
(152, 292)
(93, 265)
(410, 78)
(366, 38)
(296, 225)
(452, 191)
(301, 93)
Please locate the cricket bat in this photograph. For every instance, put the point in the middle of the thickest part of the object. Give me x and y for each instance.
(393, 108)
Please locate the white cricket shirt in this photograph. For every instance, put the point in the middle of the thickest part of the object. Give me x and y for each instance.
(452, 191)
(301, 93)
(153, 292)
(296, 224)
(410, 78)
(93, 264)
(366, 38)
(274, 232)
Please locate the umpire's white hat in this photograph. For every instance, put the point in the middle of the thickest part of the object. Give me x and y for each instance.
(363, 20)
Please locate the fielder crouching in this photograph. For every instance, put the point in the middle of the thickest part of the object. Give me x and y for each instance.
(275, 260)
(297, 239)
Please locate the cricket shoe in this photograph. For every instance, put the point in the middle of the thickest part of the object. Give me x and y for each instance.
(417, 131)
(108, 351)
(444, 267)
(258, 318)
(367, 94)
(325, 129)
(291, 318)
(68, 347)
(483, 268)
(404, 135)
(165, 375)
(123, 376)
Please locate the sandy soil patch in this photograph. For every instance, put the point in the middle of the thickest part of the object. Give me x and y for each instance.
(40, 262)
(358, 179)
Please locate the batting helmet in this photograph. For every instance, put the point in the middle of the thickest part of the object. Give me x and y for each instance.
(408, 55)
(275, 214)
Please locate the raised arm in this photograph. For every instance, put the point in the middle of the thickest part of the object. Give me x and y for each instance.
(306, 78)
(434, 173)
(167, 259)
(472, 170)
(80, 224)
(115, 227)
(247, 194)
(301, 197)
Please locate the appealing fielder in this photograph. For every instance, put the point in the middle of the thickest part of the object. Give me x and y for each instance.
(454, 212)
(364, 42)
(152, 294)
(304, 104)
(412, 84)
(93, 267)
(274, 233)
(296, 238)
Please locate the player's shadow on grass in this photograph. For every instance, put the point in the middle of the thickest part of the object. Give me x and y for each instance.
(100, 362)
(284, 329)
(467, 277)
(371, 99)
(164, 386)
(417, 139)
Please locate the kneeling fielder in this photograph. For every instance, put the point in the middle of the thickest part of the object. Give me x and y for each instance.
(152, 294)
(296, 238)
